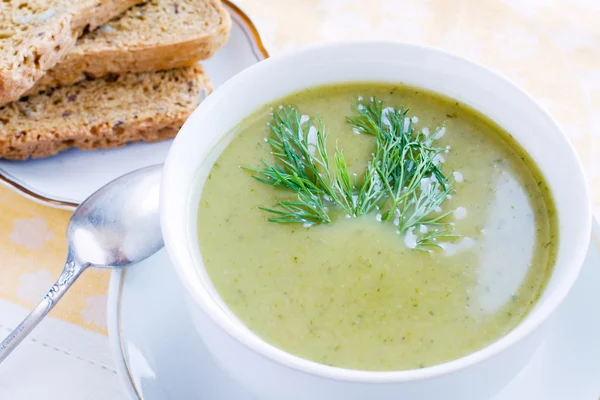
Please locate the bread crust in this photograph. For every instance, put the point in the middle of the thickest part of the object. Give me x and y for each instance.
(34, 42)
(101, 114)
(100, 60)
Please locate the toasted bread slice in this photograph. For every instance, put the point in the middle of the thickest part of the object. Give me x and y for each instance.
(102, 113)
(156, 35)
(36, 34)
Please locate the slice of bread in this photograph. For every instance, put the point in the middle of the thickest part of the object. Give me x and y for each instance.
(101, 113)
(156, 35)
(36, 34)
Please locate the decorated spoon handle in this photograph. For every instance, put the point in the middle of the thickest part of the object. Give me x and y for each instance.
(70, 273)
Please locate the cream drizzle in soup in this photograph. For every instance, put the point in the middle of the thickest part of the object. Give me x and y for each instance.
(353, 293)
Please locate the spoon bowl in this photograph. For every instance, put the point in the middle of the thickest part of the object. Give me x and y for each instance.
(119, 224)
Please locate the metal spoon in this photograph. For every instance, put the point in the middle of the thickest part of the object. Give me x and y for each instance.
(116, 226)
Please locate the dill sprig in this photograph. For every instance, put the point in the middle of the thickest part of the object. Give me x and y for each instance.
(304, 166)
(407, 164)
(402, 180)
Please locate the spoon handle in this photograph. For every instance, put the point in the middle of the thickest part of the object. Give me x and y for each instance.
(70, 273)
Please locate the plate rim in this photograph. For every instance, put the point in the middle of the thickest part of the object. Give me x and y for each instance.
(22, 188)
(115, 292)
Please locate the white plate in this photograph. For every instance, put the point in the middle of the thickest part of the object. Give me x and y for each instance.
(159, 355)
(68, 178)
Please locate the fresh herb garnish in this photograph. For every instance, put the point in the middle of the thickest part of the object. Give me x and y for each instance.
(402, 180)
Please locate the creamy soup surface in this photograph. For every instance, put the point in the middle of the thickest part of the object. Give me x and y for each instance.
(351, 293)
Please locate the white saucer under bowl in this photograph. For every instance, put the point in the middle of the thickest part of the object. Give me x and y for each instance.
(160, 356)
(66, 179)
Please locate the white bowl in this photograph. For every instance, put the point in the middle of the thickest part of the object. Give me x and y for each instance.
(274, 374)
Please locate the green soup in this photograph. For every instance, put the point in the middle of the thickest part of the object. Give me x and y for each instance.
(355, 294)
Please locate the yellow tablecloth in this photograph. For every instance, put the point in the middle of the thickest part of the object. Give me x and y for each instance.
(549, 47)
